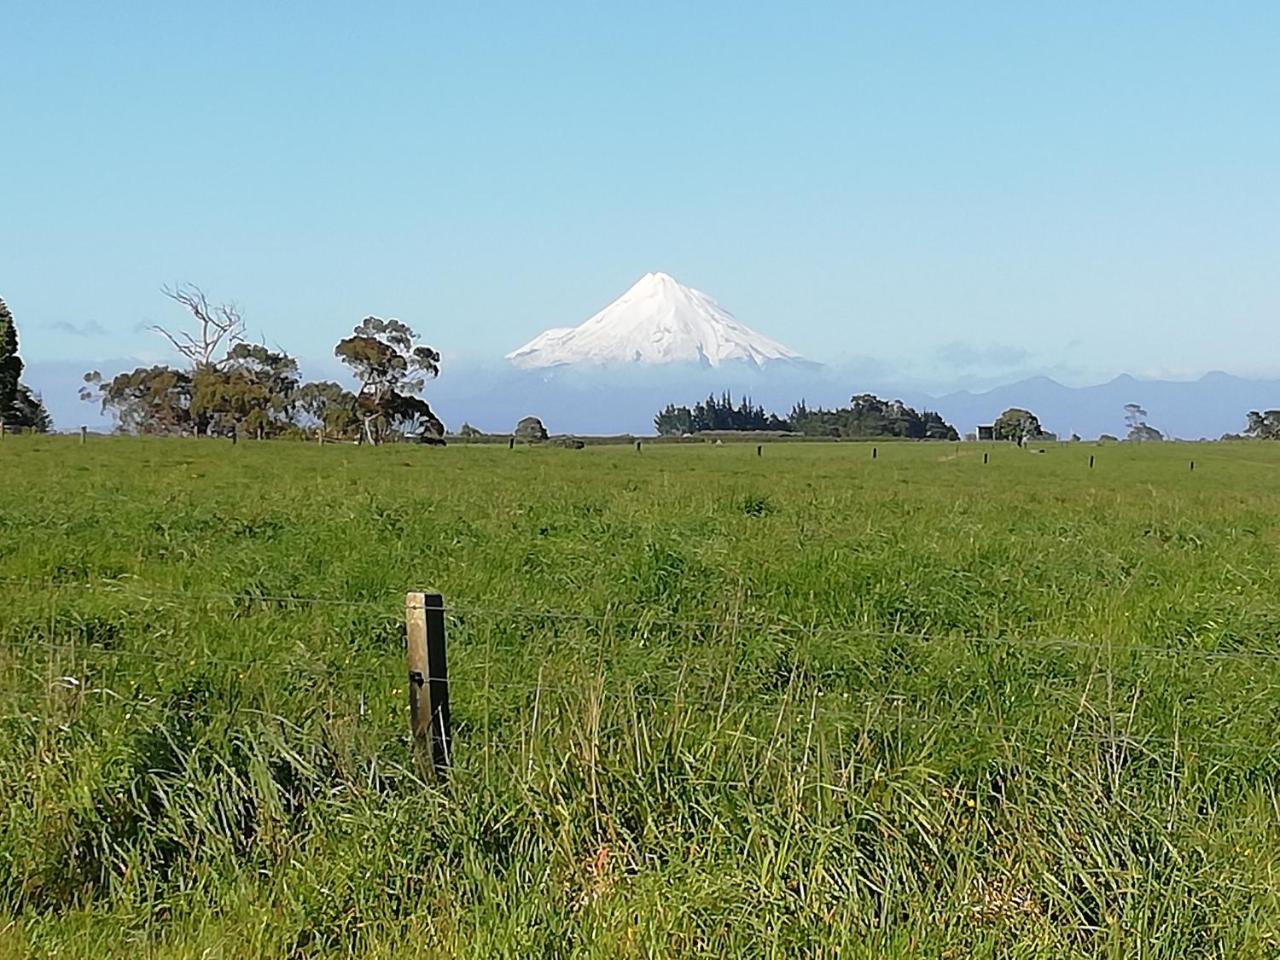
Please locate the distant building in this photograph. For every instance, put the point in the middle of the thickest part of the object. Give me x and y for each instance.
(987, 432)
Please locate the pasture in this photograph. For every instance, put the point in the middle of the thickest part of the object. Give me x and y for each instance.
(705, 702)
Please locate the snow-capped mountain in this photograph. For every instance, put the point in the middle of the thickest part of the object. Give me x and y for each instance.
(657, 321)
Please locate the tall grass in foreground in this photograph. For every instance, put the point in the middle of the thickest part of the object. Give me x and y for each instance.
(706, 703)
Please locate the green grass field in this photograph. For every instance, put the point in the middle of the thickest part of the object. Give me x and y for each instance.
(705, 703)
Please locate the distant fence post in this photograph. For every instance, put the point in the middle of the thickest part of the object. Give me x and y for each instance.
(875, 452)
(1, 428)
(985, 457)
(511, 443)
(759, 449)
(1193, 466)
(84, 436)
(638, 446)
(1091, 461)
(428, 680)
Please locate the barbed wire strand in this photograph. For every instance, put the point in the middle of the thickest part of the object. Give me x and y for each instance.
(886, 712)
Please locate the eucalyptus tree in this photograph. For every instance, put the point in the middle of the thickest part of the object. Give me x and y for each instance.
(392, 369)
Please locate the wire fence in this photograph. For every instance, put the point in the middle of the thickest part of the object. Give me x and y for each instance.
(457, 611)
(857, 714)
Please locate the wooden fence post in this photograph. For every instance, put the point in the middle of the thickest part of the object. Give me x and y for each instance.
(84, 436)
(985, 457)
(1, 428)
(428, 680)
(759, 450)
(1091, 461)
(875, 452)
(511, 443)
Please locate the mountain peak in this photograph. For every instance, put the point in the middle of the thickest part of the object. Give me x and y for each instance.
(658, 320)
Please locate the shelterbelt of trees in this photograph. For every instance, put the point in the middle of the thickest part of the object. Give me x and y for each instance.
(866, 416)
(230, 386)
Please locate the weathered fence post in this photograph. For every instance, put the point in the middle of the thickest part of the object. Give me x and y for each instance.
(84, 436)
(1091, 461)
(638, 442)
(1, 428)
(759, 450)
(511, 443)
(875, 452)
(428, 680)
(1193, 466)
(985, 457)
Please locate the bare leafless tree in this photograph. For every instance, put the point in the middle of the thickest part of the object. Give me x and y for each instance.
(221, 325)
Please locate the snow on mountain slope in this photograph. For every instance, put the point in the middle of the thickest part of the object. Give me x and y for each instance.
(657, 321)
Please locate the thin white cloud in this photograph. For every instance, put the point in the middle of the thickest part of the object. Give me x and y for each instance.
(90, 328)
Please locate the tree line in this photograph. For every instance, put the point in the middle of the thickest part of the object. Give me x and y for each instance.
(231, 387)
(716, 413)
(866, 416)
(869, 417)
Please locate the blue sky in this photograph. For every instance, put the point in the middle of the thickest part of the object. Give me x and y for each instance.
(958, 191)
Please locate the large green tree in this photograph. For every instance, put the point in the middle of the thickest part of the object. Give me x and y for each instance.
(392, 369)
(10, 362)
(149, 400)
(530, 430)
(1135, 418)
(1019, 426)
(20, 407)
(252, 390)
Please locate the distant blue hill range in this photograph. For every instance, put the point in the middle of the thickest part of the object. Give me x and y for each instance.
(1209, 407)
